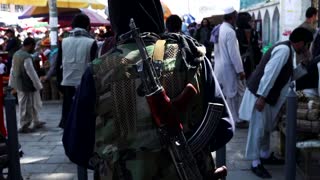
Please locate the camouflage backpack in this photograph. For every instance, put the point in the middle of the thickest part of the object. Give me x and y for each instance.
(127, 143)
(127, 140)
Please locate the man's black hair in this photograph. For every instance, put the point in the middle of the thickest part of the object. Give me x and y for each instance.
(80, 21)
(301, 34)
(228, 17)
(29, 41)
(311, 11)
(9, 31)
(174, 23)
(243, 20)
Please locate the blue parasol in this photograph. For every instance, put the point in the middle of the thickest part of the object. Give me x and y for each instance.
(188, 18)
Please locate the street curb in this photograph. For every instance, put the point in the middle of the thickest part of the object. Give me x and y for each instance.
(52, 102)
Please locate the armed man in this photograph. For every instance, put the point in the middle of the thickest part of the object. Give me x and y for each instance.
(150, 108)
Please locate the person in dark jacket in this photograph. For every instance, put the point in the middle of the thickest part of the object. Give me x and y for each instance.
(13, 44)
(203, 34)
(247, 36)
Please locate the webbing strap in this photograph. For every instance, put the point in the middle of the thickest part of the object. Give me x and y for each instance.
(158, 53)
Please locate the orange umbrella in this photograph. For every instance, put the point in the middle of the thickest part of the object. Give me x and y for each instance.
(166, 10)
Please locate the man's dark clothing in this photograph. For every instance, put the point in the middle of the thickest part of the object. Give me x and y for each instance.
(13, 45)
(281, 81)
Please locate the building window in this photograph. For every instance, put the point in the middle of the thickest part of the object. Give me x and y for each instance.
(18, 8)
(5, 7)
(275, 26)
(266, 29)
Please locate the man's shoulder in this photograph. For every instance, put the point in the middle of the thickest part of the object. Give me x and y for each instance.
(305, 24)
(282, 47)
(21, 52)
(72, 38)
(308, 26)
(283, 44)
(227, 30)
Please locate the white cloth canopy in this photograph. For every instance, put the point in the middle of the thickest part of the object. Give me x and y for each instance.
(200, 8)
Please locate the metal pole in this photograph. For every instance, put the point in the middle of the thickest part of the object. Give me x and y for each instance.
(221, 157)
(291, 124)
(53, 21)
(82, 173)
(13, 150)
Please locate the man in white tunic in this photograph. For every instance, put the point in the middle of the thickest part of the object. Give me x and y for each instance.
(25, 80)
(265, 94)
(228, 65)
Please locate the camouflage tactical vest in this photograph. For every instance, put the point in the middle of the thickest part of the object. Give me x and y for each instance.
(126, 136)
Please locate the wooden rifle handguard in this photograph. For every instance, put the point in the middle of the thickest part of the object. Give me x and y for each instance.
(164, 110)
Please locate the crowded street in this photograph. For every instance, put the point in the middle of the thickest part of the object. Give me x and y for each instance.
(159, 90)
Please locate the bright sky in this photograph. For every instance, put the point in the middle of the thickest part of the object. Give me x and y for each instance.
(200, 8)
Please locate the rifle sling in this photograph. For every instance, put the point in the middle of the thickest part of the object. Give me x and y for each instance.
(159, 48)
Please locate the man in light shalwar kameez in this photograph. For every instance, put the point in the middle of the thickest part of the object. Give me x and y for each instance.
(266, 92)
(228, 65)
(25, 80)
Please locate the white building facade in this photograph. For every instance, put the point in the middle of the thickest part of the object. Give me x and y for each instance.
(278, 18)
(9, 13)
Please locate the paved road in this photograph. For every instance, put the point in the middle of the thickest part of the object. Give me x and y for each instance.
(44, 154)
(239, 168)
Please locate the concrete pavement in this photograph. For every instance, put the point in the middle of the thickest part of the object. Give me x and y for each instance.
(44, 156)
(239, 167)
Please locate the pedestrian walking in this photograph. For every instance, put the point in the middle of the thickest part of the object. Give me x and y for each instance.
(12, 45)
(24, 79)
(248, 43)
(265, 94)
(311, 18)
(77, 50)
(51, 73)
(228, 65)
(202, 35)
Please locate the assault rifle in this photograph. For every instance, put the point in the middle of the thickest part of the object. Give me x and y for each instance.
(170, 127)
